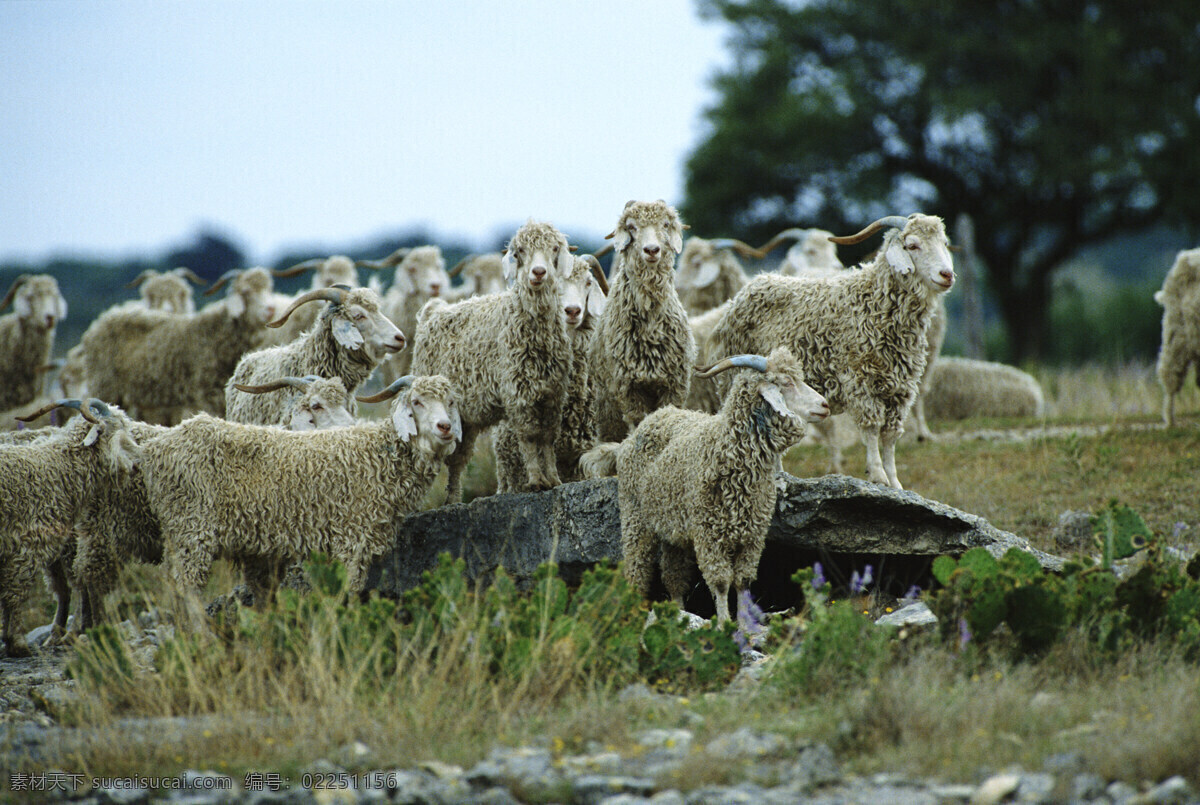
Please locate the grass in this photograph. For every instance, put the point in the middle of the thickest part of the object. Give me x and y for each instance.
(921, 709)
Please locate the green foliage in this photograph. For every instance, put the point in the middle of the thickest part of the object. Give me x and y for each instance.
(1120, 532)
(832, 113)
(550, 635)
(980, 594)
(103, 659)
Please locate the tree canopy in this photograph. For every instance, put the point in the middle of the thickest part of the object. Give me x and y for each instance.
(1053, 124)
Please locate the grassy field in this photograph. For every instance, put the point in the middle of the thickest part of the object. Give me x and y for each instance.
(915, 706)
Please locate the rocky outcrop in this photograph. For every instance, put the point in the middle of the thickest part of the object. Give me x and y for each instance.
(844, 523)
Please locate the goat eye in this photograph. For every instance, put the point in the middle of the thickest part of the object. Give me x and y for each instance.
(318, 407)
(417, 404)
(912, 247)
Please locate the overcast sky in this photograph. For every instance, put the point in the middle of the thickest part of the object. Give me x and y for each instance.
(126, 126)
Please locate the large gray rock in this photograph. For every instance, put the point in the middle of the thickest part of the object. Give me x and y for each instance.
(842, 522)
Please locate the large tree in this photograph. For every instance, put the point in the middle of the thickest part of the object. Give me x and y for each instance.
(1054, 124)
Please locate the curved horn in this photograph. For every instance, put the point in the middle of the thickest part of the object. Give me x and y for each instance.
(56, 363)
(289, 381)
(744, 249)
(222, 280)
(140, 278)
(787, 234)
(398, 385)
(72, 403)
(299, 268)
(758, 362)
(605, 249)
(392, 259)
(897, 221)
(188, 274)
(333, 293)
(99, 406)
(454, 272)
(8, 297)
(597, 272)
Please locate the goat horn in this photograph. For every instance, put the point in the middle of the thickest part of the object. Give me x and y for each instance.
(454, 272)
(787, 234)
(140, 278)
(398, 385)
(742, 248)
(392, 259)
(221, 280)
(8, 297)
(275, 385)
(897, 221)
(734, 362)
(99, 406)
(603, 250)
(597, 272)
(334, 293)
(188, 274)
(299, 268)
(76, 404)
(56, 363)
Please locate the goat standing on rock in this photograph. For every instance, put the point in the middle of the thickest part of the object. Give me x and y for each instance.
(509, 354)
(642, 354)
(702, 486)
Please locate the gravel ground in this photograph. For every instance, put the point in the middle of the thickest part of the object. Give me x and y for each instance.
(773, 768)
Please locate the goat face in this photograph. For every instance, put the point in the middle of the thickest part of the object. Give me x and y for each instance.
(922, 247)
(429, 411)
(580, 293)
(536, 256)
(359, 323)
(251, 296)
(650, 231)
(337, 270)
(39, 303)
(323, 406)
(699, 265)
(425, 270)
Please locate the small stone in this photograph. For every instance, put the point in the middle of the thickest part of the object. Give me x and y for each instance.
(1172, 791)
(1120, 792)
(592, 789)
(996, 789)
(1087, 786)
(668, 797)
(1073, 532)
(917, 614)
(745, 743)
(1036, 787)
(953, 793)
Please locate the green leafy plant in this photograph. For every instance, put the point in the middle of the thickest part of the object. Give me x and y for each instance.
(980, 594)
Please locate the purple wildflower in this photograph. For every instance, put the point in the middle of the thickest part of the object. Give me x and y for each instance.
(914, 592)
(818, 580)
(964, 634)
(860, 583)
(750, 620)
(1180, 527)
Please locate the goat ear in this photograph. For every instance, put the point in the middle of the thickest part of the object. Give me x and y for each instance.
(403, 420)
(92, 435)
(61, 308)
(596, 300)
(508, 264)
(346, 334)
(235, 304)
(621, 239)
(566, 260)
(774, 397)
(898, 259)
(22, 307)
(455, 425)
(707, 275)
(675, 237)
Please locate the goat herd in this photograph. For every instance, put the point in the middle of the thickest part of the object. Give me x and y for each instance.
(180, 436)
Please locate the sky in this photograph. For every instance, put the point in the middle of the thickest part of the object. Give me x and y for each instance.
(128, 126)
